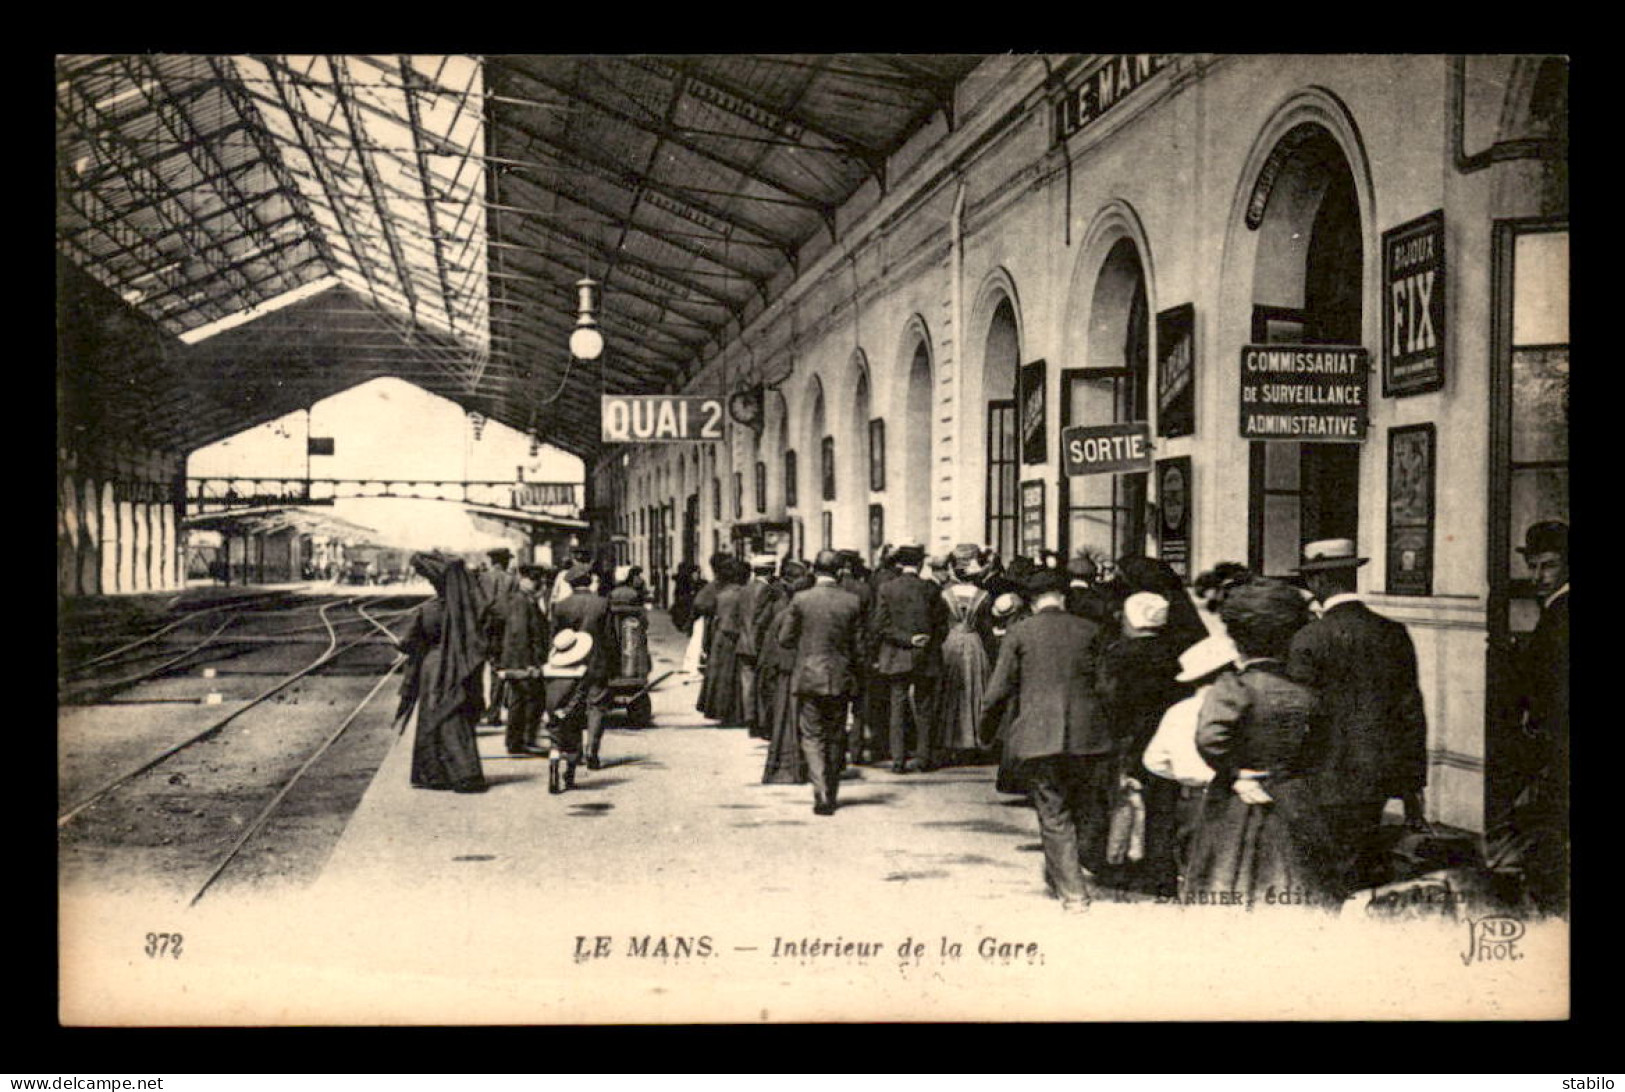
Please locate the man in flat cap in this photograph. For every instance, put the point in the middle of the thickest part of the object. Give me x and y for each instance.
(1540, 811)
(1059, 737)
(1362, 667)
(824, 625)
(910, 622)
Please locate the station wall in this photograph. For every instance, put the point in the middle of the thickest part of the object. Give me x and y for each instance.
(1001, 245)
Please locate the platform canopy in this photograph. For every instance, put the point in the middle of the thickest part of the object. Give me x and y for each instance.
(289, 226)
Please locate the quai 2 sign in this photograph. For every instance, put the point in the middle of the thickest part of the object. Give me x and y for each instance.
(657, 418)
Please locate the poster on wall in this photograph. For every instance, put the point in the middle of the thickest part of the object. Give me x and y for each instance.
(1032, 518)
(1174, 514)
(1410, 510)
(1176, 371)
(1031, 395)
(877, 526)
(877, 455)
(1413, 307)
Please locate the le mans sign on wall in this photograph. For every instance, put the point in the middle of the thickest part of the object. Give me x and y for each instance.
(1313, 393)
(656, 418)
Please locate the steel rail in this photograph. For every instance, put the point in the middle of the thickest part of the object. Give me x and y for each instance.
(266, 812)
(333, 650)
(153, 636)
(79, 668)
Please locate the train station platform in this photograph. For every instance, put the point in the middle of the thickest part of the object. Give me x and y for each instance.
(671, 886)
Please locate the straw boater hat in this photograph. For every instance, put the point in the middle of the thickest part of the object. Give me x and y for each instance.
(1205, 657)
(570, 648)
(1330, 553)
(966, 559)
(1005, 606)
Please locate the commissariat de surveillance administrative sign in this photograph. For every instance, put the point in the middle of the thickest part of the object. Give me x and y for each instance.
(1314, 393)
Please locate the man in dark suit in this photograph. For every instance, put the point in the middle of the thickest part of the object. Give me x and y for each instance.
(1541, 809)
(585, 611)
(910, 623)
(825, 627)
(525, 645)
(855, 579)
(497, 585)
(1363, 667)
(1059, 736)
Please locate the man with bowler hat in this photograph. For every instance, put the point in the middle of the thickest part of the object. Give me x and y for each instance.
(910, 621)
(1540, 810)
(825, 627)
(1059, 737)
(1363, 668)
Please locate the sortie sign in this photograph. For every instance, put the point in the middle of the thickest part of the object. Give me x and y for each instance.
(1106, 449)
(1312, 393)
(657, 418)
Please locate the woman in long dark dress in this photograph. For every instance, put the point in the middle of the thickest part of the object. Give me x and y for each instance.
(786, 765)
(445, 652)
(1261, 832)
(704, 615)
(722, 671)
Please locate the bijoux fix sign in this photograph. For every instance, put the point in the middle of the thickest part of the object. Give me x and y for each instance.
(655, 418)
(1316, 393)
(1106, 449)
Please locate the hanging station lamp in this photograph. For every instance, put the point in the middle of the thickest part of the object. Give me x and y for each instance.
(586, 343)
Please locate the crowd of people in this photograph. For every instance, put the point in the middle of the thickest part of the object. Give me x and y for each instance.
(530, 649)
(1244, 759)
(1237, 743)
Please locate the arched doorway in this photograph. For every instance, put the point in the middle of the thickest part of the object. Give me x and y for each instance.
(1308, 280)
(1105, 513)
(916, 445)
(1001, 356)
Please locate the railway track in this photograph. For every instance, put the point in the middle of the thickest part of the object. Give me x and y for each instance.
(212, 793)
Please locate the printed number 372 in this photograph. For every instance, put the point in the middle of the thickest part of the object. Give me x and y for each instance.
(163, 944)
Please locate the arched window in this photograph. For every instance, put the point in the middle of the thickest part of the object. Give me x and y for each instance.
(999, 368)
(916, 446)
